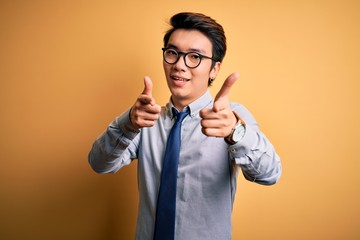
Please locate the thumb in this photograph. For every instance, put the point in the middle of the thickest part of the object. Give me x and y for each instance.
(225, 88)
(147, 86)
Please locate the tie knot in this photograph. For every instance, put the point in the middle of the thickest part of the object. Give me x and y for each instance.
(179, 116)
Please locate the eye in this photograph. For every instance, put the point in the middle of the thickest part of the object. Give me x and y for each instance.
(194, 56)
(171, 52)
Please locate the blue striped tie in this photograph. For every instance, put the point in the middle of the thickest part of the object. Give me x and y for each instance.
(166, 205)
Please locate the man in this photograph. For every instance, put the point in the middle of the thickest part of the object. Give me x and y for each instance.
(217, 139)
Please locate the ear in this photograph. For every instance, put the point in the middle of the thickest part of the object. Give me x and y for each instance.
(214, 71)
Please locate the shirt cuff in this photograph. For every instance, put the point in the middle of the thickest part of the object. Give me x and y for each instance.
(239, 150)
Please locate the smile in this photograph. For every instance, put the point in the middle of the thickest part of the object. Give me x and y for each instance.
(180, 79)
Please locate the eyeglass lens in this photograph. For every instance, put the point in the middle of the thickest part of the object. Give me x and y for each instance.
(192, 59)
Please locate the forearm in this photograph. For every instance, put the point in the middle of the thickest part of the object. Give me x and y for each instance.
(257, 158)
(255, 154)
(115, 148)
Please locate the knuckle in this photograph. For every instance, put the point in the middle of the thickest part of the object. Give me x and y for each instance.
(203, 130)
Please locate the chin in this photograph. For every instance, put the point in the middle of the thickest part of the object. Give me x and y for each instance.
(178, 93)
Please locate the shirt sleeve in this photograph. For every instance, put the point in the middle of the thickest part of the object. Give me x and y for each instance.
(254, 153)
(116, 147)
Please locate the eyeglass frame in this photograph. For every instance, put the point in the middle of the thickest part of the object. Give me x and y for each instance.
(184, 56)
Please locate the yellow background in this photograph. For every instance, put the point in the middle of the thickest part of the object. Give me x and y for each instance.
(68, 68)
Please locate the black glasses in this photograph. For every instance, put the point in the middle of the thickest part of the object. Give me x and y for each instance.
(191, 59)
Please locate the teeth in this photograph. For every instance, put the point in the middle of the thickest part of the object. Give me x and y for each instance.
(180, 79)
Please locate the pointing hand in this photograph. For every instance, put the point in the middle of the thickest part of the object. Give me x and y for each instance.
(219, 120)
(145, 111)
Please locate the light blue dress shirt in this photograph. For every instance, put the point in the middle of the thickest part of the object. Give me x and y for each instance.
(207, 172)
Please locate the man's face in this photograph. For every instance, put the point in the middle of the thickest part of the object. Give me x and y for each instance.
(188, 84)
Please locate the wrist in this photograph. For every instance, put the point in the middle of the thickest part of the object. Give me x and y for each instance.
(132, 121)
(237, 132)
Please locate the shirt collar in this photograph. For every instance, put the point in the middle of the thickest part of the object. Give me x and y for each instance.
(194, 107)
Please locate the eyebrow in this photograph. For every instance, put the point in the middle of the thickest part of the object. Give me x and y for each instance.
(190, 50)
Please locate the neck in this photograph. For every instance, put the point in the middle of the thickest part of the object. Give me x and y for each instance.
(179, 105)
(181, 102)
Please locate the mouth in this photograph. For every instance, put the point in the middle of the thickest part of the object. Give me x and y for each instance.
(180, 79)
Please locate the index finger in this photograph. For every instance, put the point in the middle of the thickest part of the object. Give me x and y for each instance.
(147, 86)
(225, 88)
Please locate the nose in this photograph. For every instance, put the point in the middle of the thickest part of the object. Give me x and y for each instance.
(180, 64)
